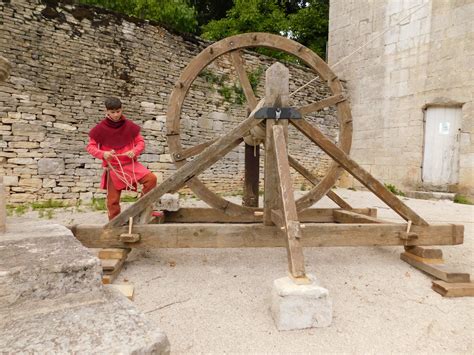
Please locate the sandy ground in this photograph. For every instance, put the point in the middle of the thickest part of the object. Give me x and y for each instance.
(217, 301)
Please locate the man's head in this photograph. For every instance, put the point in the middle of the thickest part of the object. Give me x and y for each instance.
(113, 106)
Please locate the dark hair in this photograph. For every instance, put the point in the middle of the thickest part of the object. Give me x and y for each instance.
(113, 103)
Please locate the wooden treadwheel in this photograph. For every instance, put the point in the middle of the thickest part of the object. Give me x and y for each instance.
(232, 46)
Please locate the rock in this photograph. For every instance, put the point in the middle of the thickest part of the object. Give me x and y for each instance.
(52, 299)
(50, 166)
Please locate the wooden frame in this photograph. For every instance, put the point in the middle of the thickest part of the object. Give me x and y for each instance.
(283, 221)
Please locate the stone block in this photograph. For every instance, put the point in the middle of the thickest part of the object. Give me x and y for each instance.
(10, 180)
(53, 280)
(168, 202)
(300, 306)
(50, 166)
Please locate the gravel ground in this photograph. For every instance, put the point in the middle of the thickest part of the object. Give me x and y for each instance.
(217, 300)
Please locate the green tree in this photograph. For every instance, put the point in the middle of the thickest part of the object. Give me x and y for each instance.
(248, 16)
(303, 21)
(208, 10)
(309, 25)
(175, 14)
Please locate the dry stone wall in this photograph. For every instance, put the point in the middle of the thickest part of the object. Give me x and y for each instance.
(66, 59)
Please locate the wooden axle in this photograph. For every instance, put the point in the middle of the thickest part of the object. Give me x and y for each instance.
(216, 235)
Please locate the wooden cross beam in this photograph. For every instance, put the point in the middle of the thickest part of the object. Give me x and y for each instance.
(256, 235)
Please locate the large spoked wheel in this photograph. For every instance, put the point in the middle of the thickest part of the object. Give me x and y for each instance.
(232, 46)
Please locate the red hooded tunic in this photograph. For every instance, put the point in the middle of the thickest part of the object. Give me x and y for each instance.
(122, 136)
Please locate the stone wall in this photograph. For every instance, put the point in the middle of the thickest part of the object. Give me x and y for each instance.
(66, 59)
(425, 60)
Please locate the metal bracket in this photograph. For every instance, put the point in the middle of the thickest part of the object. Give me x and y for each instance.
(276, 113)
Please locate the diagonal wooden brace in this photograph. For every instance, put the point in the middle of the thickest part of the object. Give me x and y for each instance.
(193, 168)
(358, 172)
(288, 218)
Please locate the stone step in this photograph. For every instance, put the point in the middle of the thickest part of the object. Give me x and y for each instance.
(96, 323)
(44, 261)
(52, 299)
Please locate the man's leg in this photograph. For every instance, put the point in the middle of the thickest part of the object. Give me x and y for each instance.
(148, 182)
(113, 199)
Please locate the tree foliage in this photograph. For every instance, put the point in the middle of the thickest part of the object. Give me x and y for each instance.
(176, 14)
(208, 10)
(303, 21)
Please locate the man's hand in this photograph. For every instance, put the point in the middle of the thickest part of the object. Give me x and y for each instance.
(130, 154)
(109, 154)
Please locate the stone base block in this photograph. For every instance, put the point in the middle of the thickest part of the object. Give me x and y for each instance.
(168, 202)
(300, 306)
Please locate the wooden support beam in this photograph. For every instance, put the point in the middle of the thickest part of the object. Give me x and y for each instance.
(277, 79)
(358, 172)
(313, 180)
(193, 168)
(439, 271)
(252, 176)
(289, 216)
(214, 235)
(209, 215)
(458, 289)
(343, 216)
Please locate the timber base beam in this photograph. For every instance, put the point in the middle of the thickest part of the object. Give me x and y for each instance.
(218, 235)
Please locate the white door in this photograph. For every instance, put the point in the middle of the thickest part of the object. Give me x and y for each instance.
(441, 150)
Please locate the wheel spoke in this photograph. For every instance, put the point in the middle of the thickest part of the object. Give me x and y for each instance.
(238, 63)
(319, 105)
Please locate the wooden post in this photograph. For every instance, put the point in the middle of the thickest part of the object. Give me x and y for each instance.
(3, 215)
(277, 79)
(288, 219)
(252, 175)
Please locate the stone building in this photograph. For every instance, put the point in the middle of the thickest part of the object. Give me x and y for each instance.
(66, 59)
(411, 89)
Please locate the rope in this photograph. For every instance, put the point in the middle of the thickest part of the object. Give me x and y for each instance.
(363, 46)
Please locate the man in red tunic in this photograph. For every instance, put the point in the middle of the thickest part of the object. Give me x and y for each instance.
(118, 142)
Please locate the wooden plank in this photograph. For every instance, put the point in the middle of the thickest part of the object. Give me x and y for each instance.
(312, 179)
(319, 105)
(425, 253)
(109, 276)
(238, 63)
(342, 216)
(113, 253)
(439, 271)
(206, 159)
(126, 289)
(426, 260)
(109, 264)
(358, 172)
(458, 289)
(289, 216)
(208, 215)
(251, 176)
(216, 235)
